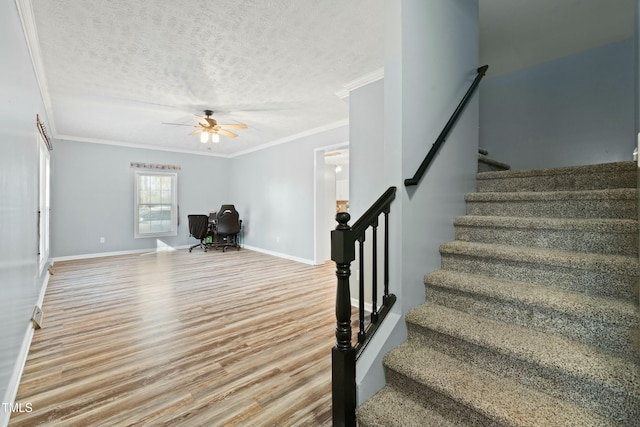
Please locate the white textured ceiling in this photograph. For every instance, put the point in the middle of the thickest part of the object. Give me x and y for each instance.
(114, 71)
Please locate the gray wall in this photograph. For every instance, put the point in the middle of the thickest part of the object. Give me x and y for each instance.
(366, 159)
(93, 196)
(20, 281)
(436, 72)
(572, 111)
(273, 192)
(425, 78)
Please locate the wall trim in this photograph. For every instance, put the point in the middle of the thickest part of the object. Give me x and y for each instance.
(14, 381)
(368, 307)
(309, 132)
(142, 251)
(140, 146)
(115, 253)
(359, 82)
(279, 255)
(43, 289)
(21, 360)
(28, 20)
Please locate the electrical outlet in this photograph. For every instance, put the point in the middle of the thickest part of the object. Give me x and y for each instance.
(277, 239)
(102, 240)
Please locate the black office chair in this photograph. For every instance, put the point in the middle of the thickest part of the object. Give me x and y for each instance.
(199, 228)
(228, 226)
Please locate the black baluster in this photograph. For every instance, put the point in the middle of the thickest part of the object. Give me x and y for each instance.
(386, 258)
(374, 280)
(343, 355)
(361, 335)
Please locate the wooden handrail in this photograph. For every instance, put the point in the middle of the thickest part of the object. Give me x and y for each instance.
(381, 205)
(447, 128)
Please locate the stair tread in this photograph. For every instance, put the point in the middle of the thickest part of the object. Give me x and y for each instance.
(391, 407)
(498, 398)
(526, 347)
(604, 225)
(612, 309)
(546, 350)
(566, 170)
(615, 264)
(500, 196)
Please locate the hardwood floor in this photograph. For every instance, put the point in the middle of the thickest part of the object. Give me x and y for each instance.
(178, 338)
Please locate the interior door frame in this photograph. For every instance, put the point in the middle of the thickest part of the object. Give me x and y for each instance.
(318, 195)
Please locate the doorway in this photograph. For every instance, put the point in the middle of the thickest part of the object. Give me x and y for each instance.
(331, 195)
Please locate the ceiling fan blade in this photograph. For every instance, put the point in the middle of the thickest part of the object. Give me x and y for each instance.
(177, 124)
(227, 133)
(197, 131)
(202, 120)
(234, 126)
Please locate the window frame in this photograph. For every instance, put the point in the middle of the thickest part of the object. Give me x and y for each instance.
(173, 204)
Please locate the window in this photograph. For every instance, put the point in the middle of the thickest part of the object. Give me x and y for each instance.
(44, 173)
(156, 204)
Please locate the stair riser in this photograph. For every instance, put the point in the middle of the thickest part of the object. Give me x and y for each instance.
(555, 382)
(606, 208)
(458, 413)
(607, 334)
(566, 182)
(569, 240)
(603, 283)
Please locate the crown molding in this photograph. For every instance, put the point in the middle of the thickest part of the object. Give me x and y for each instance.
(359, 82)
(290, 138)
(140, 146)
(28, 20)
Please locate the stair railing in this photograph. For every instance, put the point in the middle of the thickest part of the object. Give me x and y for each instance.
(343, 251)
(447, 128)
(343, 241)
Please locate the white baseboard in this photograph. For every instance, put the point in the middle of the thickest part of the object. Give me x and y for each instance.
(130, 252)
(14, 382)
(21, 360)
(141, 251)
(280, 255)
(43, 289)
(368, 307)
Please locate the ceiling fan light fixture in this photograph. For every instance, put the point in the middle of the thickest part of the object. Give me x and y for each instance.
(209, 126)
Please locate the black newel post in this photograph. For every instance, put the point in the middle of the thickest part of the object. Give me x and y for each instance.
(343, 355)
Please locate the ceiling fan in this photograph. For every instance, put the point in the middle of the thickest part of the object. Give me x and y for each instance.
(208, 128)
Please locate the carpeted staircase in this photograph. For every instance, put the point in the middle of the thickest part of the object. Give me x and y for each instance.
(533, 318)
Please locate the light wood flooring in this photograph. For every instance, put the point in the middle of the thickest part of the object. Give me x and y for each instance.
(176, 338)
